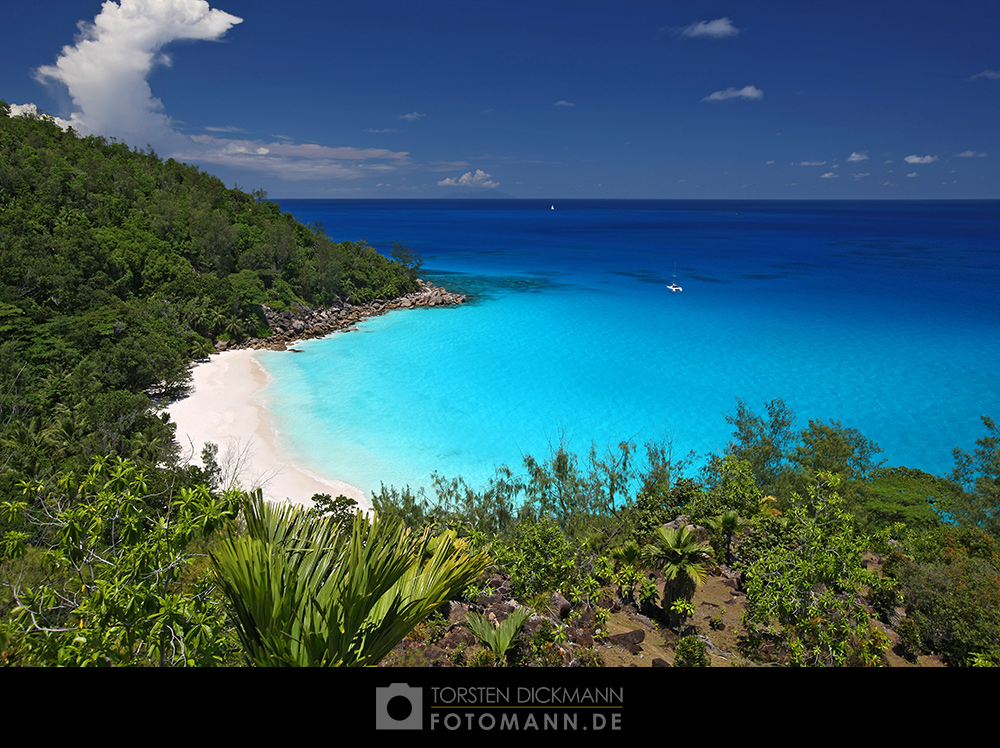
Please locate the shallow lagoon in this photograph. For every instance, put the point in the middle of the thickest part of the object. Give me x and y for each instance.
(882, 315)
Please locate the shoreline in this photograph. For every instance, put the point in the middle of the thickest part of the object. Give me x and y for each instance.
(289, 327)
(224, 406)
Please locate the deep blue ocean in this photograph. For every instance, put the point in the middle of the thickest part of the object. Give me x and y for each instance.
(882, 315)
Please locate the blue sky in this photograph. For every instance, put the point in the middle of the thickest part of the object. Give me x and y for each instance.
(879, 99)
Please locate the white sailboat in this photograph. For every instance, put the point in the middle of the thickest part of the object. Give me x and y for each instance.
(673, 287)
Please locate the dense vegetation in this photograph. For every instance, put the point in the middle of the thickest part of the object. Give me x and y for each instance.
(116, 269)
(833, 549)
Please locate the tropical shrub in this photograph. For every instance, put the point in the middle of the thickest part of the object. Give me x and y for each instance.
(499, 638)
(949, 584)
(301, 594)
(538, 558)
(691, 652)
(806, 593)
(909, 638)
(112, 578)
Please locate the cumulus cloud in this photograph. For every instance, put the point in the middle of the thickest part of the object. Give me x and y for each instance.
(747, 92)
(478, 179)
(106, 70)
(972, 154)
(106, 73)
(720, 28)
(829, 175)
(412, 116)
(920, 159)
(863, 156)
(563, 102)
(911, 175)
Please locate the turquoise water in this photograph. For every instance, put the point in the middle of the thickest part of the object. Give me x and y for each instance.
(884, 316)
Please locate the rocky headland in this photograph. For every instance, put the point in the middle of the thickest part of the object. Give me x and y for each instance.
(304, 323)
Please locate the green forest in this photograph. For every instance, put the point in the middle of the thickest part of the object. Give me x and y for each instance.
(119, 269)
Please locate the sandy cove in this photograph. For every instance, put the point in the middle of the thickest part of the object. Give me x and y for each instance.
(225, 407)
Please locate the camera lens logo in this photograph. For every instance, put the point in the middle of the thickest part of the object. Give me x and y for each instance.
(399, 707)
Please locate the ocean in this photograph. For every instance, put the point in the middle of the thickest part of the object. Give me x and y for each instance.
(884, 316)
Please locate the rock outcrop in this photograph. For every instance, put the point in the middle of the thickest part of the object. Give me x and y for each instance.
(288, 327)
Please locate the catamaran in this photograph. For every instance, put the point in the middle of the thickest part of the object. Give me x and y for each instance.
(673, 287)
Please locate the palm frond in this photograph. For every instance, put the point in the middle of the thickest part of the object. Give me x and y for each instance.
(498, 638)
(301, 594)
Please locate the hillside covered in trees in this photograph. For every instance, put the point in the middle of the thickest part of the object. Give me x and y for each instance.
(117, 269)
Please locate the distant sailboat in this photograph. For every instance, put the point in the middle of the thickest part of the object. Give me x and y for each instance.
(673, 287)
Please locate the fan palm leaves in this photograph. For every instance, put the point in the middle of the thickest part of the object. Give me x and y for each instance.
(628, 559)
(628, 552)
(498, 638)
(728, 524)
(25, 443)
(303, 594)
(682, 558)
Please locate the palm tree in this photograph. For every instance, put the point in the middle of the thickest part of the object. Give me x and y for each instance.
(728, 524)
(683, 559)
(303, 594)
(26, 443)
(628, 559)
(498, 638)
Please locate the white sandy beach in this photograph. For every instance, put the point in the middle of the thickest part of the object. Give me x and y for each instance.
(225, 408)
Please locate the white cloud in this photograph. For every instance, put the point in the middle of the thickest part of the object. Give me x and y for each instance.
(227, 128)
(106, 70)
(829, 175)
(24, 110)
(972, 154)
(720, 28)
(563, 102)
(911, 175)
(478, 179)
(295, 162)
(812, 163)
(920, 159)
(861, 174)
(863, 156)
(991, 74)
(747, 92)
(30, 110)
(412, 116)
(380, 131)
